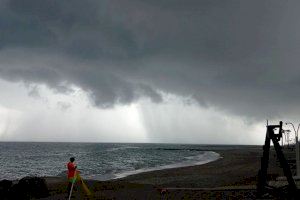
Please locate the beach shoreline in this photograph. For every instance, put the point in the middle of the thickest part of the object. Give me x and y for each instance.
(237, 169)
(242, 162)
(213, 157)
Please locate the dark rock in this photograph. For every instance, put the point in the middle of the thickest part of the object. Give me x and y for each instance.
(5, 186)
(30, 187)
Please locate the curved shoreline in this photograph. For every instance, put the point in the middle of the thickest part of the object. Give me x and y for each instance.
(236, 171)
(170, 166)
(235, 166)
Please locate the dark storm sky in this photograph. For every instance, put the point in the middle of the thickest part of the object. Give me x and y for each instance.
(239, 57)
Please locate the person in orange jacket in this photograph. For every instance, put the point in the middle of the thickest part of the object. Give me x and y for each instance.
(74, 176)
(72, 173)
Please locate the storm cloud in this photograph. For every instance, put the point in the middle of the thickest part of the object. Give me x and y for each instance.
(240, 57)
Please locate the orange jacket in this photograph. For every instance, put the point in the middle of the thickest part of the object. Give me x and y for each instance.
(71, 169)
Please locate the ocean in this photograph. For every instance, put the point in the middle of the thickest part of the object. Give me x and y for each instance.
(99, 161)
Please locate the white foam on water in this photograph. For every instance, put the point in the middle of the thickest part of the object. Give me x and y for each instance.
(206, 157)
(122, 148)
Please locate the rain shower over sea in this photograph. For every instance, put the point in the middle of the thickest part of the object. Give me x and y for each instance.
(99, 161)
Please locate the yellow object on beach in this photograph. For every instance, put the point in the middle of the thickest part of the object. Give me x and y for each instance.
(84, 186)
(76, 178)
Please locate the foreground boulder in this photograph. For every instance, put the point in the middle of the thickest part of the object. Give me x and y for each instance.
(5, 186)
(28, 188)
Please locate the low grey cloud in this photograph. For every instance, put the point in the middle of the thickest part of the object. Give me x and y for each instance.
(238, 56)
(64, 106)
(33, 91)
